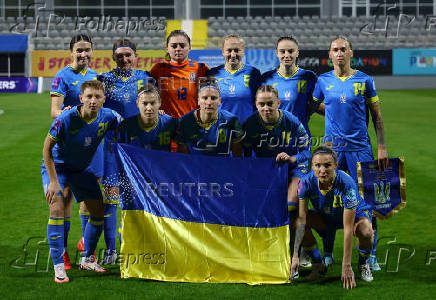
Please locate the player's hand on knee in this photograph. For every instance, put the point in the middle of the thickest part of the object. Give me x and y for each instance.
(54, 189)
(348, 277)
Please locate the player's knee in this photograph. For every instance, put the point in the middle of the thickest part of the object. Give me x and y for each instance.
(57, 208)
(95, 208)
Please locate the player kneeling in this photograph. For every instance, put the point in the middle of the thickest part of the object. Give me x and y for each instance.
(336, 204)
(68, 150)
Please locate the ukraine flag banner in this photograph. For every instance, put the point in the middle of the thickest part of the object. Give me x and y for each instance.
(202, 219)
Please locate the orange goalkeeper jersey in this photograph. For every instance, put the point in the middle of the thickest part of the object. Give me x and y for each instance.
(178, 85)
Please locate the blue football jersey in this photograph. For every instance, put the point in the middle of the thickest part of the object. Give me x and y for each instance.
(77, 140)
(295, 91)
(346, 109)
(121, 88)
(158, 137)
(67, 84)
(237, 89)
(286, 135)
(215, 139)
(331, 204)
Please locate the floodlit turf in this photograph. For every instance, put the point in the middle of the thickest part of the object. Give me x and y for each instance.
(410, 132)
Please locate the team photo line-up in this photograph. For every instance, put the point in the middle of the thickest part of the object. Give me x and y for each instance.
(183, 106)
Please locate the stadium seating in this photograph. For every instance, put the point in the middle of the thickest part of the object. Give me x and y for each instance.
(259, 32)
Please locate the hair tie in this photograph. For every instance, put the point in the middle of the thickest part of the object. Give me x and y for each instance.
(210, 87)
(128, 46)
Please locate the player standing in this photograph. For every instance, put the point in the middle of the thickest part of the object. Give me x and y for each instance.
(238, 83)
(294, 84)
(336, 204)
(347, 95)
(65, 93)
(272, 132)
(210, 130)
(68, 150)
(178, 76)
(121, 87)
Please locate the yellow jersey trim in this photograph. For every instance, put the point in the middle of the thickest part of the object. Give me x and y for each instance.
(233, 71)
(148, 129)
(287, 77)
(56, 94)
(206, 126)
(343, 78)
(123, 78)
(53, 138)
(373, 99)
(83, 72)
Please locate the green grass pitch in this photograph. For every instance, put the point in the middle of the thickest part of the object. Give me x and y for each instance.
(409, 118)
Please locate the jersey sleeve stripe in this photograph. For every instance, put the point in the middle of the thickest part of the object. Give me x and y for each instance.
(57, 94)
(373, 99)
(53, 138)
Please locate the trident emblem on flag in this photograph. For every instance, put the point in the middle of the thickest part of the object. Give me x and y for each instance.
(381, 192)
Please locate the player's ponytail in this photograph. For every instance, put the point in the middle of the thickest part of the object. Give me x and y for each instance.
(326, 148)
(78, 38)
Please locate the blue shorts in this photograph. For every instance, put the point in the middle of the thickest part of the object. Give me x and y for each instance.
(298, 170)
(96, 165)
(84, 185)
(110, 176)
(332, 224)
(347, 160)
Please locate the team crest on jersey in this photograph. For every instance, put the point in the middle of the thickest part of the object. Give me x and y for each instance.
(343, 98)
(232, 89)
(192, 76)
(126, 97)
(288, 95)
(88, 141)
(382, 192)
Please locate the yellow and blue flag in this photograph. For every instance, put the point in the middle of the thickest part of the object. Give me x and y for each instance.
(202, 219)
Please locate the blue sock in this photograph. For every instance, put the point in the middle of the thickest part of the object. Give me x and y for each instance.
(110, 226)
(328, 242)
(374, 227)
(363, 256)
(67, 225)
(293, 214)
(84, 220)
(313, 252)
(55, 236)
(92, 235)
